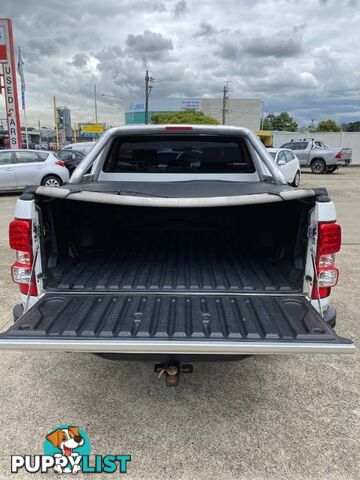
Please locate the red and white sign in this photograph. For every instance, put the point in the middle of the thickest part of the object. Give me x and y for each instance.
(10, 87)
(3, 55)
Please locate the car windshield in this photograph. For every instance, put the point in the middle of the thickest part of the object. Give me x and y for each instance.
(179, 154)
(296, 145)
(273, 154)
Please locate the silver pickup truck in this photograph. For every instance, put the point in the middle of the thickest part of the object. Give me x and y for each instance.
(183, 243)
(318, 156)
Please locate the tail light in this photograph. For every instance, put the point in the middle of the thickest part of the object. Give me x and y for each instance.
(60, 163)
(329, 243)
(339, 154)
(20, 239)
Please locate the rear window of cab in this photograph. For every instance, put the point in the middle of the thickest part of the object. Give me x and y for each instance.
(178, 154)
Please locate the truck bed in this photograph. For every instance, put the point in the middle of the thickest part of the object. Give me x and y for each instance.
(176, 261)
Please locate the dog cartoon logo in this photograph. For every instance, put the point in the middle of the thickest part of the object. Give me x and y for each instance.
(67, 443)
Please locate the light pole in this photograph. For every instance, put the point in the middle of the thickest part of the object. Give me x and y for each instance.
(56, 122)
(95, 104)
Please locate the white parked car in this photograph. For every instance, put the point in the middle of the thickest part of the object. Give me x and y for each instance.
(288, 163)
(83, 147)
(19, 168)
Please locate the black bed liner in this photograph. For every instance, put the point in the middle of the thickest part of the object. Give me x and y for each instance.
(206, 261)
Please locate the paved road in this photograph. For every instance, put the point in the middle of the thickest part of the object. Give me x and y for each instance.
(274, 417)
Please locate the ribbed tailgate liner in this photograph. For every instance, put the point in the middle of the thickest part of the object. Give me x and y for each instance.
(176, 261)
(176, 317)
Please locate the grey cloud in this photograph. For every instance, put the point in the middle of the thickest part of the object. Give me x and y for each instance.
(151, 44)
(273, 47)
(299, 28)
(180, 8)
(110, 53)
(146, 6)
(79, 60)
(43, 47)
(228, 51)
(205, 30)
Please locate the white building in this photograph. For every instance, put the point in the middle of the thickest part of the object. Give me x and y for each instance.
(239, 112)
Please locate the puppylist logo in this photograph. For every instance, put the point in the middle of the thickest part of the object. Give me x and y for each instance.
(67, 450)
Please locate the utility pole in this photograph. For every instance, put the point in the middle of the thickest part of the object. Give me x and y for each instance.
(56, 122)
(95, 104)
(225, 101)
(148, 88)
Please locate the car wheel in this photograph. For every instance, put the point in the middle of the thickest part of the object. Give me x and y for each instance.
(296, 181)
(51, 181)
(318, 166)
(331, 169)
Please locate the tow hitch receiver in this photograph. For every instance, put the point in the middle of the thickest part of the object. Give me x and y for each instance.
(172, 371)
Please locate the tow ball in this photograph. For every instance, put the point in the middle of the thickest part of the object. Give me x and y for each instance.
(172, 371)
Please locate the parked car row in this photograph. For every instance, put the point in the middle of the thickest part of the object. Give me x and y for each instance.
(19, 168)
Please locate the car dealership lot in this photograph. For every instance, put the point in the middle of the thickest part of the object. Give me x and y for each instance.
(263, 417)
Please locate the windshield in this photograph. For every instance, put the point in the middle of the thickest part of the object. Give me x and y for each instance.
(273, 154)
(179, 154)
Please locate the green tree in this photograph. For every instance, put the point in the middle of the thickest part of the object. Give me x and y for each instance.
(189, 116)
(282, 122)
(352, 127)
(328, 125)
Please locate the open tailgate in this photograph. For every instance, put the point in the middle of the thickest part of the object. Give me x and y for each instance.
(215, 324)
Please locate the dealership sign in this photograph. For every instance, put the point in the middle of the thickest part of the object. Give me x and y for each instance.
(91, 130)
(3, 54)
(166, 105)
(7, 58)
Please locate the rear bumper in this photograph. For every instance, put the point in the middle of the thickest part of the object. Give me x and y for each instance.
(345, 162)
(177, 347)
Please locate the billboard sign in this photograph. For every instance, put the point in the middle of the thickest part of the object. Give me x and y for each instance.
(136, 107)
(91, 130)
(166, 105)
(7, 58)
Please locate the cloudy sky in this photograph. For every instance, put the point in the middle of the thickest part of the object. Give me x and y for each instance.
(297, 56)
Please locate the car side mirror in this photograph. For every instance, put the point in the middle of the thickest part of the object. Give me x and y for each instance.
(281, 163)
